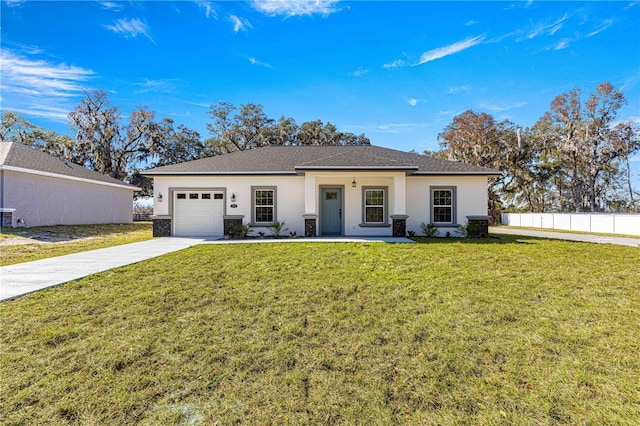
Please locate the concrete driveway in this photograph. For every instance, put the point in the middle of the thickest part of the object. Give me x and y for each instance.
(587, 238)
(23, 278)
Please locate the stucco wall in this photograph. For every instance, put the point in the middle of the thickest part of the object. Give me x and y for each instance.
(42, 201)
(471, 196)
(471, 199)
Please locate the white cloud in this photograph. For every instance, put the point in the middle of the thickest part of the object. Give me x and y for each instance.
(40, 88)
(605, 24)
(130, 28)
(451, 49)
(239, 24)
(501, 108)
(359, 72)
(254, 61)
(209, 9)
(470, 22)
(413, 102)
(457, 89)
(545, 28)
(562, 44)
(395, 64)
(110, 5)
(398, 127)
(14, 3)
(164, 86)
(290, 8)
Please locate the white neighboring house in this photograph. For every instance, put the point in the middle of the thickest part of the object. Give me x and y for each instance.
(318, 190)
(38, 189)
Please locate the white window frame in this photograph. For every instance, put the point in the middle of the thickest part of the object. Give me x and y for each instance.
(452, 206)
(385, 194)
(254, 206)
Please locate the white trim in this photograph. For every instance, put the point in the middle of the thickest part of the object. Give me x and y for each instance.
(73, 178)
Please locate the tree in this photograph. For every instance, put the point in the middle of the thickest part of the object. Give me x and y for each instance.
(236, 129)
(105, 145)
(15, 128)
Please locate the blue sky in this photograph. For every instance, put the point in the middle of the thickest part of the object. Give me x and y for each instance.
(397, 71)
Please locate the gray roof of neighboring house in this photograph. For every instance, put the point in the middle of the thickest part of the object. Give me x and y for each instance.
(298, 159)
(15, 154)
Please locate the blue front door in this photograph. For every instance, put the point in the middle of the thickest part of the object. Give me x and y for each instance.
(332, 211)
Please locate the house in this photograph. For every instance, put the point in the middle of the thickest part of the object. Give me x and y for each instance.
(38, 189)
(318, 190)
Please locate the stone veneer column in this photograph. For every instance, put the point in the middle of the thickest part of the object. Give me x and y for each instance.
(161, 226)
(231, 222)
(310, 225)
(483, 225)
(399, 225)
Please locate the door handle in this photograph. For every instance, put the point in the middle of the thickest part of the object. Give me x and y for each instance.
(340, 213)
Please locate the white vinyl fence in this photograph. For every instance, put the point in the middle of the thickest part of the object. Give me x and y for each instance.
(609, 223)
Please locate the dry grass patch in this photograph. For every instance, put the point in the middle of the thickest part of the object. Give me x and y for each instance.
(508, 331)
(19, 245)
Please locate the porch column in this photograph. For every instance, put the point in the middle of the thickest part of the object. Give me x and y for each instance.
(399, 195)
(310, 196)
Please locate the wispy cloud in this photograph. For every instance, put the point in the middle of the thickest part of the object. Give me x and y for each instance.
(470, 22)
(14, 3)
(501, 108)
(239, 24)
(158, 86)
(398, 127)
(452, 90)
(395, 64)
(256, 62)
(40, 88)
(561, 44)
(209, 9)
(110, 5)
(290, 8)
(451, 49)
(359, 72)
(130, 28)
(546, 28)
(413, 102)
(603, 26)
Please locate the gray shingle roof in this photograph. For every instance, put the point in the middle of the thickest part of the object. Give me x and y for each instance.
(14, 154)
(298, 159)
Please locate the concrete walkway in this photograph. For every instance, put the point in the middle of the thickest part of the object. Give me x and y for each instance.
(587, 238)
(24, 278)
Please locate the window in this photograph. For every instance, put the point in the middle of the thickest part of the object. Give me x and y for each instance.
(218, 197)
(193, 196)
(374, 205)
(443, 205)
(206, 196)
(182, 196)
(264, 205)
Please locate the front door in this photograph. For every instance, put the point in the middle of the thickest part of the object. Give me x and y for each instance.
(332, 211)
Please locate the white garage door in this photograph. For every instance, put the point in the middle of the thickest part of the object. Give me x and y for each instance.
(198, 213)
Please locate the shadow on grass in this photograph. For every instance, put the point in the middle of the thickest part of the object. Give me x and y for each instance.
(492, 239)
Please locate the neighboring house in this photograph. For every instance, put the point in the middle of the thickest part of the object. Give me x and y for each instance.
(38, 189)
(318, 190)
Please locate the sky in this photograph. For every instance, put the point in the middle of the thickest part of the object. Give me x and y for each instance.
(399, 72)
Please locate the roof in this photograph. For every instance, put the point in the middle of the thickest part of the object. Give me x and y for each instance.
(298, 159)
(19, 157)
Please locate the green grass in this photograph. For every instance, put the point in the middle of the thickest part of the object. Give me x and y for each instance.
(72, 239)
(514, 330)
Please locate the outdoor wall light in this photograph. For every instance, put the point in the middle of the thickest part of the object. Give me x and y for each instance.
(160, 197)
(233, 198)
(353, 184)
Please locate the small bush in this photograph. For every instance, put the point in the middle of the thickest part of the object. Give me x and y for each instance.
(411, 233)
(429, 230)
(277, 228)
(241, 231)
(470, 230)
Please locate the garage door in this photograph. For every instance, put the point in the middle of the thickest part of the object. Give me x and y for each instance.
(198, 213)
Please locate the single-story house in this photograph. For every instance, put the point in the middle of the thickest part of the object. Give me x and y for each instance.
(38, 189)
(318, 190)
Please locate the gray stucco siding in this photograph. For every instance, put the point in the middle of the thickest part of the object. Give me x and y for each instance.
(45, 200)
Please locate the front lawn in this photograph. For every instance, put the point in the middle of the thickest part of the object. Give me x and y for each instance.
(19, 245)
(513, 330)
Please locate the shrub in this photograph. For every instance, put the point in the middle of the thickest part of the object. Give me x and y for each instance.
(277, 228)
(470, 230)
(429, 230)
